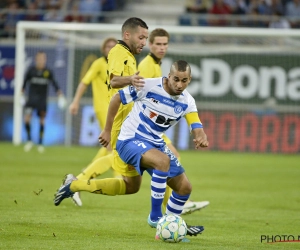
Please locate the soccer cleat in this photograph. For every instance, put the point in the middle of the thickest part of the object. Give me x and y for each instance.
(194, 230)
(192, 206)
(28, 146)
(76, 196)
(76, 199)
(152, 223)
(41, 149)
(64, 191)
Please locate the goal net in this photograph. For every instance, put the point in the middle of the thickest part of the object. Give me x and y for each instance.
(246, 83)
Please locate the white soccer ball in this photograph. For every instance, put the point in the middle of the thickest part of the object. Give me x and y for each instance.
(171, 228)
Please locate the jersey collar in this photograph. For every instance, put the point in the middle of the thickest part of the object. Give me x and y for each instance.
(124, 45)
(157, 60)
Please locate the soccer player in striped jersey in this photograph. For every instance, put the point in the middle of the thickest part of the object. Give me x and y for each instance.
(150, 67)
(158, 105)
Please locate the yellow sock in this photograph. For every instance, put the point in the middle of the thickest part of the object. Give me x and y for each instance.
(108, 186)
(97, 167)
(166, 198)
(101, 152)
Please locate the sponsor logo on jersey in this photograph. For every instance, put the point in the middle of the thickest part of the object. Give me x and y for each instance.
(152, 114)
(154, 100)
(170, 102)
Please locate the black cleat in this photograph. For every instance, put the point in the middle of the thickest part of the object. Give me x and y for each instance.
(194, 230)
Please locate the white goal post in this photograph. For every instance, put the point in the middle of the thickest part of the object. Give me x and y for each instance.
(239, 62)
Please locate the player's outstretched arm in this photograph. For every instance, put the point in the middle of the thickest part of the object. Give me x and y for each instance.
(200, 138)
(122, 81)
(104, 137)
(74, 106)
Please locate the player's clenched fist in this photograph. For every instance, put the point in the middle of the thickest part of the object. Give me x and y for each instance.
(200, 139)
(200, 142)
(104, 138)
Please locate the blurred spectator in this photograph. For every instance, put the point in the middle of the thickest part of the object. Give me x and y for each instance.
(220, 8)
(293, 11)
(11, 19)
(74, 16)
(232, 4)
(91, 9)
(21, 3)
(32, 14)
(258, 5)
(254, 20)
(279, 21)
(120, 4)
(108, 5)
(198, 6)
(241, 7)
(54, 3)
(53, 14)
(276, 7)
(41, 4)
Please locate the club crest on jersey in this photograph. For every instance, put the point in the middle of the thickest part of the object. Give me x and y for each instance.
(177, 109)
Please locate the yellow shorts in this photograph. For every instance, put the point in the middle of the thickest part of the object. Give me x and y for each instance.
(122, 167)
(166, 139)
(118, 164)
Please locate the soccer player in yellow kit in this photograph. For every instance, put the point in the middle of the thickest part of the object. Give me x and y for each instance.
(97, 76)
(122, 71)
(150, 67)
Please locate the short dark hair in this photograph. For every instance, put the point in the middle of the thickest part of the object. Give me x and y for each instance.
(132, 23)
(158, 32)
(181, 66)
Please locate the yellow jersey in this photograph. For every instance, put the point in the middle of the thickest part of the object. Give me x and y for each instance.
(97, 75)
(121, 62)
(149, 67)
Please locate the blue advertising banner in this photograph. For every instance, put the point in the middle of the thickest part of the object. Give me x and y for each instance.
(7, 70)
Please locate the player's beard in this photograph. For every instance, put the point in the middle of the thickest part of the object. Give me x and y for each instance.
(136, 49)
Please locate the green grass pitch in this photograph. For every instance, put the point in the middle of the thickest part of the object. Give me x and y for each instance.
(250, 195)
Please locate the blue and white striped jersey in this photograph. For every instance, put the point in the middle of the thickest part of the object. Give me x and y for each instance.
(154, 110)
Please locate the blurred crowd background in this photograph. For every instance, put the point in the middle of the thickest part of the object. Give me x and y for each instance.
(236, 13)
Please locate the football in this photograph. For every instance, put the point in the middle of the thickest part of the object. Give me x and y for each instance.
(171, 228)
